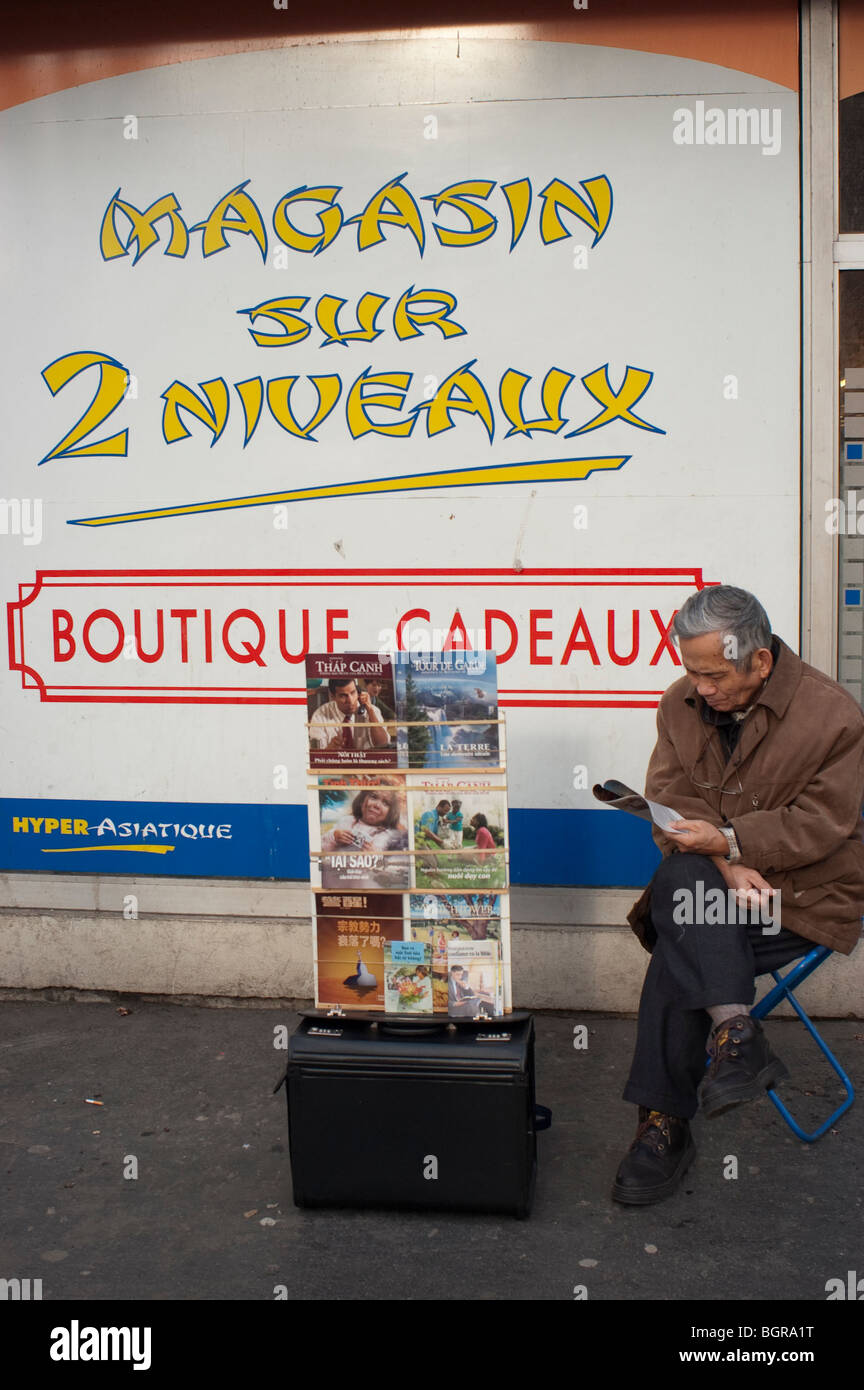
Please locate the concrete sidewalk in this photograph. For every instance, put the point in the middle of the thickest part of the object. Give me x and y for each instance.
(186, 1095)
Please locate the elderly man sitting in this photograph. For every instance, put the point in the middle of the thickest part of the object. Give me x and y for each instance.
(763, 757)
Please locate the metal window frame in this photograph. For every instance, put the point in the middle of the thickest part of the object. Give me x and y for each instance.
(820, 463)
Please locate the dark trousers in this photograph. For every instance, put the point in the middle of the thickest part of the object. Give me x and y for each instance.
(694, 965)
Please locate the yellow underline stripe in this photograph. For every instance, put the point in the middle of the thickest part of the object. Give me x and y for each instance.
(106, 849)
(548, 470)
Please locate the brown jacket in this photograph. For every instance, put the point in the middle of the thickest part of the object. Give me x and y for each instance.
(799, 764)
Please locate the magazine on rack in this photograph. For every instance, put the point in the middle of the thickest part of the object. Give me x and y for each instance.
(447, 705)
(407, 977)
(459, 828)
(350, 933)
(437, 919)
(360, 836)
(474, 979)
(350, 710)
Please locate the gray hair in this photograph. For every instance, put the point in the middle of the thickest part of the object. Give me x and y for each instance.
(722, 608)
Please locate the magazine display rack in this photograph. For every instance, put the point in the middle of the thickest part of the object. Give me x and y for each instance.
(409, 851)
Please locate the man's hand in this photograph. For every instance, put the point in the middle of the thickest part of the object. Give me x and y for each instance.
(377, 733)
(697, 837)
(749, 886)
(369, 710)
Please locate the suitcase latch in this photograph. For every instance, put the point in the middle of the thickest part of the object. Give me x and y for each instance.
(493, 1037)
(325, 1032)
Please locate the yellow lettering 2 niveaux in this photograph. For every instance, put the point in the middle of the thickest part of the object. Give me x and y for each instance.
(109, 393)
(461, 393)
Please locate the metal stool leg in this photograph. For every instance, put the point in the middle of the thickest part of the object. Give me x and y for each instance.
(783, 989)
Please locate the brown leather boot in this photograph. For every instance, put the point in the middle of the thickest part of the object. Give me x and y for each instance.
(656, 1161)
(742, 1065)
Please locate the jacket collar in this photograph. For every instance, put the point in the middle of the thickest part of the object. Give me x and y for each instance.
(781, 685)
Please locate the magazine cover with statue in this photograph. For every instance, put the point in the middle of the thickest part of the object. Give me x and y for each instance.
(460, 834)
(350, 932)
(447, 705)
(361, 833)
(407, 977)
(350, 710)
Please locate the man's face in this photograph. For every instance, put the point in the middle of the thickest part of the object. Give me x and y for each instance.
(347, 698)
(716, 678)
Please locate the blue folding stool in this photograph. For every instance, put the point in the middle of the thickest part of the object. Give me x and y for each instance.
(784, 989)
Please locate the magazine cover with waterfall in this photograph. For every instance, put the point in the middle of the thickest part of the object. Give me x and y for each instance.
(350, 707)
(447, 707)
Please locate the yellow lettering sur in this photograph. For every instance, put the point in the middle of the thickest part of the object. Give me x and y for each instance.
(213, 414)
(328, 390)
(405, 213)
(246, 219)
(368, 308)
(510, 392)
(616, 404)
(359, 402)
(408, 314)
(142, 229)
(595, 212)
(481, 223)
(113, 379)
(472, 401)
(330, 219)
(282, 311)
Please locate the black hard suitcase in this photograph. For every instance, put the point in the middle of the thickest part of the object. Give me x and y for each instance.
(413, 1112)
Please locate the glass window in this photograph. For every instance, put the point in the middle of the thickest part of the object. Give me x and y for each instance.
(846, 513)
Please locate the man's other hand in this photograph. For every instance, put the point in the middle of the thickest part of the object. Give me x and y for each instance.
(749, 885)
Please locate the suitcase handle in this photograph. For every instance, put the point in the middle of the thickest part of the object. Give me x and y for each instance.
(407, 1031)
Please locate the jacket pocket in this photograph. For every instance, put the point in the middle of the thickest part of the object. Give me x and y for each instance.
(843, 869)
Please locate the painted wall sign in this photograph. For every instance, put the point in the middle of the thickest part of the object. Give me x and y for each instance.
(288, 376)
